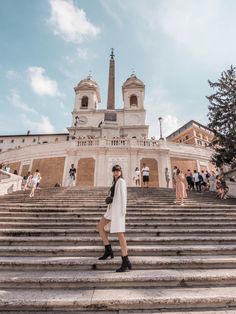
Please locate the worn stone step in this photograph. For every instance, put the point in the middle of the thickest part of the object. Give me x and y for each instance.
(134, 250)
(105, 279)
(84, 300)
(69, 222)
(140, 240)
(159, 232)
(76, 223)
(149, 311)
(139, 262)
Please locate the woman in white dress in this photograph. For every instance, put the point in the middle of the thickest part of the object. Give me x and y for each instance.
(137, 175)
(34, 181)
(115, 215)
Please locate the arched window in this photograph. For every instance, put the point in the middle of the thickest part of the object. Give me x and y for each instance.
(84, 102)
(133, 101)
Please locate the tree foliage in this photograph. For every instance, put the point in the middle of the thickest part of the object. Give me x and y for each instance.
(222, 117)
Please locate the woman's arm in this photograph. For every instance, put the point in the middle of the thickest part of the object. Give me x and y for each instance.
(123, 195)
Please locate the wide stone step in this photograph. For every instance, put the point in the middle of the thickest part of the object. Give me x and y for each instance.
(159, 232)
(138, 262)
(84, 300)
(105, 279)
(134, 250)
(74, 224)
(95, 240)
(69, 222)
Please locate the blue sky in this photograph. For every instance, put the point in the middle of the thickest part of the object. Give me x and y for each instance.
(48, 46)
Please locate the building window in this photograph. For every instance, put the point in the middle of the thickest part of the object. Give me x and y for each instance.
(1, 141)
(0, 150)
(133, 101)
(12, 141)
(34, 140)
(23, 140)
(84, 102)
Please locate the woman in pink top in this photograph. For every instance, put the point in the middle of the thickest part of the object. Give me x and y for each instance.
(180, 187)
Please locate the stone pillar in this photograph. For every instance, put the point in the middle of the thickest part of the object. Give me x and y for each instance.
(163, 162)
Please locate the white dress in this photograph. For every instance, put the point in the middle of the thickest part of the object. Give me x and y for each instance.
(137, 175)
(116, 211)
(35, 180)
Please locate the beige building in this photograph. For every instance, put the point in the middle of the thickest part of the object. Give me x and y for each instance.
(100, 138)
(192, 133)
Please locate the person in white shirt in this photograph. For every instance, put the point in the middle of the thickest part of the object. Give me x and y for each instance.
(146, 173)
(137, 176)
(167, 177)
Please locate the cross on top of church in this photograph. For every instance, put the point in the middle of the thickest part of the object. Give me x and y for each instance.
(112, 53)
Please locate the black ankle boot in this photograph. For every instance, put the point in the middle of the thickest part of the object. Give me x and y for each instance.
(125, 264)
(108, 252)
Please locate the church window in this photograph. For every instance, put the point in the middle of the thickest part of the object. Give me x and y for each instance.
(12, 141)
(34, 140)
(133, 101)
(84, 102)
(1, 141)
(23, 140)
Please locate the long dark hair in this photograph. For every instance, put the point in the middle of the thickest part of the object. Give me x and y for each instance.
(117, 168)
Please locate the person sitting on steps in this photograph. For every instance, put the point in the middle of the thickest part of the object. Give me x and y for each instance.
(115, 216)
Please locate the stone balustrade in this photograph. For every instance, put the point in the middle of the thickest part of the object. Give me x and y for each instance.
(9, 182)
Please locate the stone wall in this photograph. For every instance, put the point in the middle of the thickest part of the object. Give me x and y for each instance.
(85, 172)
(24, 170)
(51, 170)
(152, 164)
(183, 164)
(15, 166)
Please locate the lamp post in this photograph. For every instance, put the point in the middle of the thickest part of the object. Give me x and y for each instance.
(160, 121)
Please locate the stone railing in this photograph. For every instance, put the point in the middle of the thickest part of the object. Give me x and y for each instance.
(9, 182)
(117, 142)
(232, 188)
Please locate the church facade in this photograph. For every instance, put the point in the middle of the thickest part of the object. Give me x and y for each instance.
(99, 138)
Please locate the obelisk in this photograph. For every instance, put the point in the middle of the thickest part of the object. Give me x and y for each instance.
(110, 114)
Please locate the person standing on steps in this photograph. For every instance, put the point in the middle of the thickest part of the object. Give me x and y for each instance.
(115, 215)
(34, 181)
(146, 173)
(173, 175)
(167, 177)
(72, 173)
(180, 187)
(137, 176)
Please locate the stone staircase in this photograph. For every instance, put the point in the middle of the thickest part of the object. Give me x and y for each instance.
(184, 258)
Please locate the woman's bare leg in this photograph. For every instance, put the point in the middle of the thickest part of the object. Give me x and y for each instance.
(123, 244)
(32, 192)
(100, 228)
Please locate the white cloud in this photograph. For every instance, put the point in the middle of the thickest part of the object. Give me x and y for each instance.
(15, 99)
(158, 104)
(108, 5)
(70, 22)
(204, 29)
(42, 84)
(81, 53)
(43, 125)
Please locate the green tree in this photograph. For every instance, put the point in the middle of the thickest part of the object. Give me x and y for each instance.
(222, 117)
